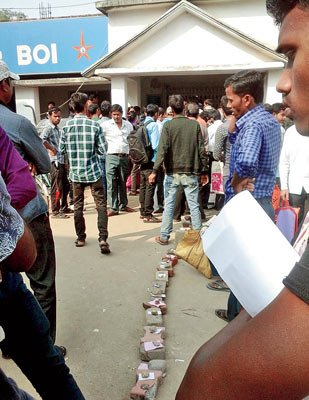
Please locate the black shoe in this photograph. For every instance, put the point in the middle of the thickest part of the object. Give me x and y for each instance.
(159, 211)
(62, 350)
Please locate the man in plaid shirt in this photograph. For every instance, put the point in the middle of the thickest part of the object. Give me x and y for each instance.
(82, 139)
(256, 136)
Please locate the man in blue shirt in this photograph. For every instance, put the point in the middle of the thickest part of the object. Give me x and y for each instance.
(147, 190)
(255, 135)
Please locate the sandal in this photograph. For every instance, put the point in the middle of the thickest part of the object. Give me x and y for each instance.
(218, 285)
(79, 243)
(221, 313)
(151, 219)
(104, 248)
(161, 241)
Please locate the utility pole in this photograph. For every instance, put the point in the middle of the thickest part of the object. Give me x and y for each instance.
(45, 12)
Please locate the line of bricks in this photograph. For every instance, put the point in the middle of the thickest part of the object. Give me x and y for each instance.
(152, 369)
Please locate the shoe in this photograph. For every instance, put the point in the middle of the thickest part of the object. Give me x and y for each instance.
(218, 285)
(104, 247)
(112, 213)
(220, 313)
(60, 215)
(62, 350)
(161, 241)
(177, 219)
(133, 193)
(127, 209)
(67, 211)
(159, 211)
(142, 216)
(151, 219)
(79, 243)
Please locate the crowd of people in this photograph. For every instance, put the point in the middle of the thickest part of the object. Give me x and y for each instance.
(261, 357)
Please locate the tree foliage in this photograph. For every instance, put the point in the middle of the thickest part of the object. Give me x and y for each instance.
(8, 15)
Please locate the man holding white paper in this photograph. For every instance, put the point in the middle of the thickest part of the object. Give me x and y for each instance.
(256, 137)
(266, 357)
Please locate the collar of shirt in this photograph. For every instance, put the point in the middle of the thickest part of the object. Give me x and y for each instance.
(242, 121)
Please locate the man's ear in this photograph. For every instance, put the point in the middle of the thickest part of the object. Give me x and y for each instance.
(248, 100)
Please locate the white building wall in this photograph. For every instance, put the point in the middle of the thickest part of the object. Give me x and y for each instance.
(27, 96)
(271, 94)
(249, 17)
(123, 24)
(246, 16)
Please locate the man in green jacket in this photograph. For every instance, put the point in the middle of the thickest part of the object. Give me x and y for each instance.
(182, 151)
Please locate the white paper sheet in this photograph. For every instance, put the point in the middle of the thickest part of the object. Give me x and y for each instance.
(250, 253)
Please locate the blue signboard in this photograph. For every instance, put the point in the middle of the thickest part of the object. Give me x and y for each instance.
(53, 45)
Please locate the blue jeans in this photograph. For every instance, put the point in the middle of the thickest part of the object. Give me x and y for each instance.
(190, 185)
(28, 342)
(233, 305)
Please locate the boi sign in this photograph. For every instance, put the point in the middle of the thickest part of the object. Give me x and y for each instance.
(41, 54)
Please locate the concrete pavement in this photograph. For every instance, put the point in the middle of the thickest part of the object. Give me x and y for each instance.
(100, 313)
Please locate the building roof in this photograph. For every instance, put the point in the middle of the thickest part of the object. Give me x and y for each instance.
(120, 61)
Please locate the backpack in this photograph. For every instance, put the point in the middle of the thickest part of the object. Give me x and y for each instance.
(140, 149)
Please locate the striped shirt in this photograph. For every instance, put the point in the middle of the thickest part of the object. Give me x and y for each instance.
(255, 151)
(82, 139)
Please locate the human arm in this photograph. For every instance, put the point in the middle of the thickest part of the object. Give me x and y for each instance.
(162, 149)
(33, 147)
(101, 142)
(284, 167)
(239, 184)
(15, 173)
(17, 250)
(45, 139)
(265, 359)
(220, 138)
(203, 157)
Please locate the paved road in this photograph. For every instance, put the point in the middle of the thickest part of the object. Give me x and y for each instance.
(100, 313)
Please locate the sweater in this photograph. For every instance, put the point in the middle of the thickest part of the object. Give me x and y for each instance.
(181, 148)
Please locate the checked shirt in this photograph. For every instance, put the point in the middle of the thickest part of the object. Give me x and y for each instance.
(255, 151)
(82, 139)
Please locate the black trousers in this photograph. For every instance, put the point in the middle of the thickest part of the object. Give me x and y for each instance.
(99, 198)
(300, 200)
(60, 187)
(146, 191)
(42, 275)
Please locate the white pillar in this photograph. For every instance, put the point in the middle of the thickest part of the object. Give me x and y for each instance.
(271, 94)
(28, 96)
(134, 91)
(119, 92)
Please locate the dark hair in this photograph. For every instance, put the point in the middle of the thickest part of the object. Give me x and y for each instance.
(210, 102)
(52, 103)
(78, 101)
(247, 82)
(92, 108)
(152, 109)
(161, 111)
(105, 108)
(278, 9)
(116, 107)
(71, 107)
(192, 109)
(137, 109)
(176, 102)
(53, 109)
(93, 96)
(204, 115)
(212, 113)
(277, 107)
(268, 108)
(131, 116)
(226, 110)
